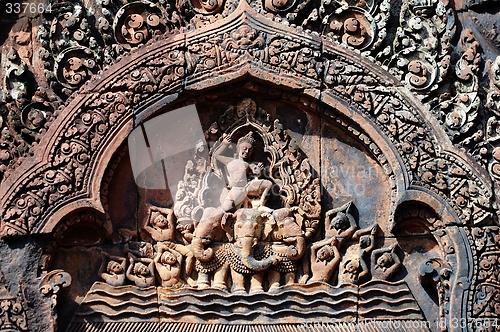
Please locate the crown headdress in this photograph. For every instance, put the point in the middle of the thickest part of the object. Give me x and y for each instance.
(248, 138)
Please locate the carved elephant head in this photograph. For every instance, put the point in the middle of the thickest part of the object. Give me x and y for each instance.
(247, 229)
(284, 228)
(211, 228)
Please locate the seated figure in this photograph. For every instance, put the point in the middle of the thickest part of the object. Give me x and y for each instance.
(243, 176)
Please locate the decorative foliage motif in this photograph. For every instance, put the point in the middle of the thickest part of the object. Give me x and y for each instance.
(438, 272)
(52, 284)
(421, 45)
(13, 308)
(136, 22)
(492, 130)
(70, 51)
(207, 6)
(66, 175)
(458, 114)
(485, 297)
(441, 173)
(444, 174)
(74, 66)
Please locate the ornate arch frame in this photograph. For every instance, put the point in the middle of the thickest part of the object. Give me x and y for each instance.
(68, 165)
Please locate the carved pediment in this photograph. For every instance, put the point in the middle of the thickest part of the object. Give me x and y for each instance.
(367, 129)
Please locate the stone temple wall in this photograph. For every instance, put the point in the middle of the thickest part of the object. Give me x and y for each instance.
(249, 165)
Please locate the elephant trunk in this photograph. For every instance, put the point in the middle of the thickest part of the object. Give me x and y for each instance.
(297, 250)
(199, 251)
(247, 258)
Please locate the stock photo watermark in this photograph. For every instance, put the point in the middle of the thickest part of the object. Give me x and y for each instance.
(396, 325)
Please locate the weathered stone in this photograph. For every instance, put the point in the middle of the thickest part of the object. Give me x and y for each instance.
(313, 165)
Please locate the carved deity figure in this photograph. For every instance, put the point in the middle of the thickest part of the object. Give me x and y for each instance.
(168, 266)
(140, 273)
(385, 262)
(112, 269)
(325, 257)
(243, 176)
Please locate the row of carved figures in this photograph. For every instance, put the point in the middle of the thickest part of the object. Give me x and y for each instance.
(251, 248)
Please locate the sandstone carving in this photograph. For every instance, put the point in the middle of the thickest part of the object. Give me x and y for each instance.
(346, 171)
(113, 269)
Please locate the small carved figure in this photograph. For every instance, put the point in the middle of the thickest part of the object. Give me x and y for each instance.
(366, 241)
(186, 252)
(162, 224)
(112, 269)
(354, 267)
(168, 266)
(385, 262)
(281, 137)
(352, 270)
(243, 181)
(139, 273)
(325, 257)
(191, 178)
(340, 223)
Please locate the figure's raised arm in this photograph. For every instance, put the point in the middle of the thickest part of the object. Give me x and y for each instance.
(364, 269)
(218, 153)
(336, 255)
(321, 243)
(130, 276)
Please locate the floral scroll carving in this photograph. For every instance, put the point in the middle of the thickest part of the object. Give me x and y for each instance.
(207, 6)
(84, 135)
(354, 28)
(13, 313)
(421, 46)
(290, 58)
(52, 283)
(137, 22)
(76, 43)
(484, 298)
(428, 169)
(74, 66)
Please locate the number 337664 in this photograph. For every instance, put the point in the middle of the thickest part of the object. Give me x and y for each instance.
(27, 8)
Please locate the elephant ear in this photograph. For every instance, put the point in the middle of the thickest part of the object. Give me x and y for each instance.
(299, 215)
(269, 225)
(227, 224)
